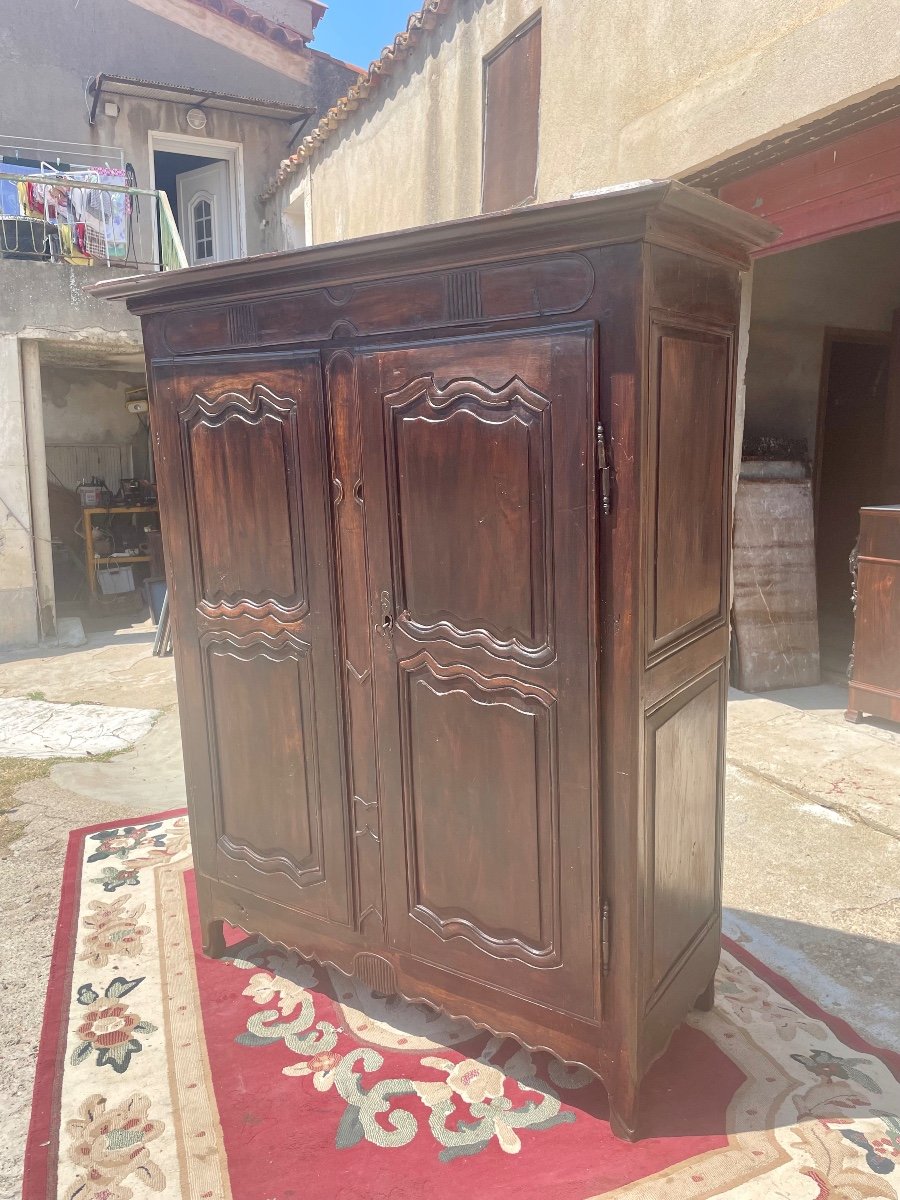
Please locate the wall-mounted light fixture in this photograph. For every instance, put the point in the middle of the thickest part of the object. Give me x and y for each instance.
(196, 118)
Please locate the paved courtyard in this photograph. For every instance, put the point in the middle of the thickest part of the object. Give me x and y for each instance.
(812, 838)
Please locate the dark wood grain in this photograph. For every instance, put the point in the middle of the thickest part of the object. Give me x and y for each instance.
(479, 480)
(690, 430)
(440, 712)
(242, 462)
(875, 679)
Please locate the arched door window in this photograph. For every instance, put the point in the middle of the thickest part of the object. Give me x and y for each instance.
(202, 229)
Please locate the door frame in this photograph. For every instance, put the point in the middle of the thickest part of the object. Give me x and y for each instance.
(204, 147)
(835, 333)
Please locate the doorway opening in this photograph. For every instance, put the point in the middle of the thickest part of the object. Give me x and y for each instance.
(819, 383)
(103, 515)
(201, 182)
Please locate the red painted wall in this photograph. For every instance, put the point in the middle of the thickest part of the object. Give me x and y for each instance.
(850, 184)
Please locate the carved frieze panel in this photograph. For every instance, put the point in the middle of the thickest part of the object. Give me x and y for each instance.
(492, 292)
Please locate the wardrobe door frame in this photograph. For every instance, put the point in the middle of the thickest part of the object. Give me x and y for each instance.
(507, 668)
(298, 624)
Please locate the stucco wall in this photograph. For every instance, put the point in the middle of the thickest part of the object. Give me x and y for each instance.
(850, 282)
(629, 90)
(18, 595)
(88, 406)
(47, 300)
(51, 50)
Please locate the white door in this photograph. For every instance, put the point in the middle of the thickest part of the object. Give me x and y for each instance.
(205, 214)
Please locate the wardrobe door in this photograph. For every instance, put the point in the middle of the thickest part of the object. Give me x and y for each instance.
(479, 483)
(244, 495)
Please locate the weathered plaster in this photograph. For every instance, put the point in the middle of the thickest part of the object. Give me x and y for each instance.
(18, 597)
(628, 91)
(47, 300)
(217, 27)
(88, 406)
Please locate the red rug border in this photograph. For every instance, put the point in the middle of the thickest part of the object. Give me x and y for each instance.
(838, 1026)
(42, 1144)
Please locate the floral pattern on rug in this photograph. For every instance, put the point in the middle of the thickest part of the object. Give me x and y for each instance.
(114, 930)
(109, 1146)
(465, 1108)
(137, 846)
(108, 1028)
(173, 1064)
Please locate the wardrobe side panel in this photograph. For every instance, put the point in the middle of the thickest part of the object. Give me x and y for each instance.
(692, 314)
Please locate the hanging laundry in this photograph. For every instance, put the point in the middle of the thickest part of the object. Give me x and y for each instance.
(10, 204)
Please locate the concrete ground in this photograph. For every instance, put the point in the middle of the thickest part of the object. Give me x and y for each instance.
(812, 843)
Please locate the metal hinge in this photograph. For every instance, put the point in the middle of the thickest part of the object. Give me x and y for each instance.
(604, 937)
(603, 470)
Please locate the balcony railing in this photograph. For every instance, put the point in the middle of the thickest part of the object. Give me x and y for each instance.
(87, 220)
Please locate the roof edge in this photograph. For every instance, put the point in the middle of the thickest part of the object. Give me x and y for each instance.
(420, 23)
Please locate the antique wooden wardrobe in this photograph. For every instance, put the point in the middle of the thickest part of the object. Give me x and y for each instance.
(447, 525)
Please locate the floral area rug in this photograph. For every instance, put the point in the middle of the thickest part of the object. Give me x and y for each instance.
(263, 1077)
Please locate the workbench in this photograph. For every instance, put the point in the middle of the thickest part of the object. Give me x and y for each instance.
(92, 560)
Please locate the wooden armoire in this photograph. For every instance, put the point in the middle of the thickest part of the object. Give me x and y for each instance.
(447, 518)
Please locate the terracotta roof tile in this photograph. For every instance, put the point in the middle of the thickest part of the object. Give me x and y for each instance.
(248, 18)
(429, 15)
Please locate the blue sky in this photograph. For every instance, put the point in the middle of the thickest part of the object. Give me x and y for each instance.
(358, 30)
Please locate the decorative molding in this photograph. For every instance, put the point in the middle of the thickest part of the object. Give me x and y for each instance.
(463, 295)
(497, 291)
(530, 701)
(242, 324)
(282, 647)
(376, 972)
(242, 404)
(249, 408)
(285, 639)
(514, 402)
(363, 823)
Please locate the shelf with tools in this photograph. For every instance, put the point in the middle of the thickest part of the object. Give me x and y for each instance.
(120, 559)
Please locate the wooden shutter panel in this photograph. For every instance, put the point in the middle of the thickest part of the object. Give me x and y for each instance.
(512, 88)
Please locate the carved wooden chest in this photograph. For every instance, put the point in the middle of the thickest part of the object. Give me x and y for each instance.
(447, 532)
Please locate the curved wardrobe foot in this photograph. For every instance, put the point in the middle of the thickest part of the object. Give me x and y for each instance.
(623, 1112)
(707, 997)
(214, 939)
(853, 715)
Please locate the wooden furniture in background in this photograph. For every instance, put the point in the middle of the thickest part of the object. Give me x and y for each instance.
(93, 560)
(850, 444)
(776, 632)
(875, 674)
(447, 519)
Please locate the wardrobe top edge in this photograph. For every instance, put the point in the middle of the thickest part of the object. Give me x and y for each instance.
(654, 210)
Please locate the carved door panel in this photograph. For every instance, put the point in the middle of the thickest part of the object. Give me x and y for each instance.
(480, 513)
(243, 486)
